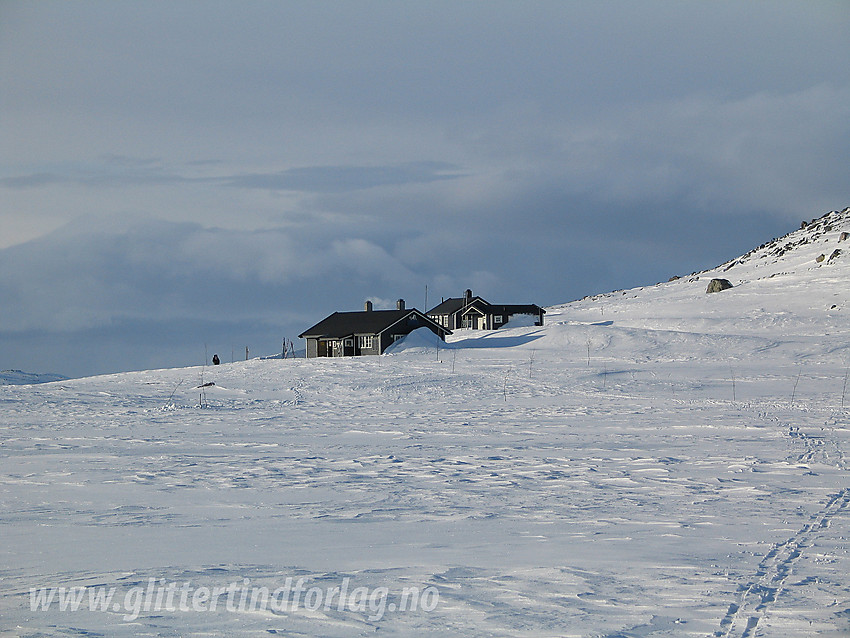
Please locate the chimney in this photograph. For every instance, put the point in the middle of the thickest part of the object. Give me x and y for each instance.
(399, 304)
(368, 306)
(467, 296)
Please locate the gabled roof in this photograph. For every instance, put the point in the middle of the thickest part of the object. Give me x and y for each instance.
(451, 306)
(478, 305)
(516, 309)
(366, 322)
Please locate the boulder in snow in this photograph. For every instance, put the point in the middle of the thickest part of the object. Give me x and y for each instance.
(716, 285)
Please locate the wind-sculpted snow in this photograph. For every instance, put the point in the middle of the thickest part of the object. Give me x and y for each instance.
(656, 463)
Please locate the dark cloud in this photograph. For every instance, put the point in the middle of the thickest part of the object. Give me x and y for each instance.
(109, 173)
(34, 180)
(339, 179)
(140, 344)
(125, 171)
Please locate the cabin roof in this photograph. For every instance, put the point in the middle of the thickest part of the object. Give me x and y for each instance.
(365, 322)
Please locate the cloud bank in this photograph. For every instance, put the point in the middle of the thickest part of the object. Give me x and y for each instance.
(184, 174)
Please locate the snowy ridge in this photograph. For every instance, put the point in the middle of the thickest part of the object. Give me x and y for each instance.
(806, 247)
(18, 377)
(651, 462)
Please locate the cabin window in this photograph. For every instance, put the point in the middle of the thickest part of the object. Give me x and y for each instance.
(497, 319)
(398, 337)
(366, 341)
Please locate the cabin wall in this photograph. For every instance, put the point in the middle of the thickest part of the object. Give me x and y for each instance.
(374, 350)
(312, 348)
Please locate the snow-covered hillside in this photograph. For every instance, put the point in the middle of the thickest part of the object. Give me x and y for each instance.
(797, 283)
(651, 462)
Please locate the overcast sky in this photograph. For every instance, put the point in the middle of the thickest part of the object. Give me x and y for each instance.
(176, 175)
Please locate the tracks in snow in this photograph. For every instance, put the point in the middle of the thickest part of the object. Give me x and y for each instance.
(756, 597)
(824, 449)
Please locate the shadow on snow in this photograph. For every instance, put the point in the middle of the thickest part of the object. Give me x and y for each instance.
(492, 341)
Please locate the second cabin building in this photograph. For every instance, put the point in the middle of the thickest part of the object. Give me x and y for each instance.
(475, 313)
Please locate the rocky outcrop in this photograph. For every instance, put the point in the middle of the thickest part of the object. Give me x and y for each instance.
(716, 285)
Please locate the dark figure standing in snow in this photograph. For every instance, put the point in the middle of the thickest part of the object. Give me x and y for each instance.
(216, 360)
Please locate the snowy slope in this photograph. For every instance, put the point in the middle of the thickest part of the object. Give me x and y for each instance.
(651, 462)
(780, 285)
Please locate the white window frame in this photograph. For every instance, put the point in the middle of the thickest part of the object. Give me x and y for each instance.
(497, 319)
(366, 342)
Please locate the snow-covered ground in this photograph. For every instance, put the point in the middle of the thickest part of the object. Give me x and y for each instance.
(651, 462)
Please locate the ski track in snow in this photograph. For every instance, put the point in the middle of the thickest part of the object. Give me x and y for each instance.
(775, 569)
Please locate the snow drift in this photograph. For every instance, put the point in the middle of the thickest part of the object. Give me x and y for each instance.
(419, 340)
